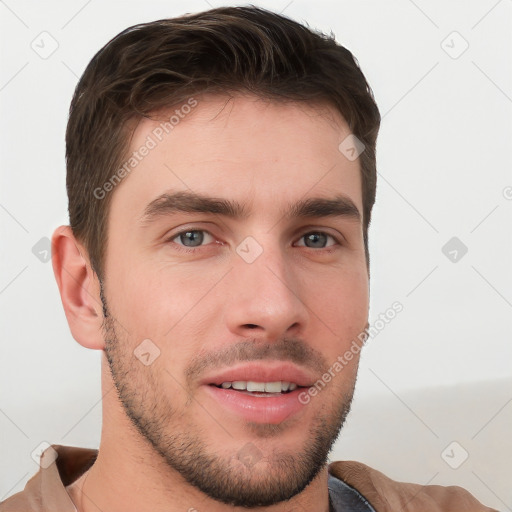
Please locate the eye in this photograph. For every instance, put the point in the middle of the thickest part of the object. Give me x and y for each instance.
(190, 238)
(317, 240)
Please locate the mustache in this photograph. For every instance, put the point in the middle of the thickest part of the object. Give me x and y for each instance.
(286, 349)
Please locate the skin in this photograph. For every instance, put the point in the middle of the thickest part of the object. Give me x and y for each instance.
(157, 419)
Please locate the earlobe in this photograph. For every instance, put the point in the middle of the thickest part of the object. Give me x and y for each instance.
(79, 289)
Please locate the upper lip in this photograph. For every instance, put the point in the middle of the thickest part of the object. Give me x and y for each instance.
(271, 371)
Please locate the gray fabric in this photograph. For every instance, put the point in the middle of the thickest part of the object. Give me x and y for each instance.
(343, 498)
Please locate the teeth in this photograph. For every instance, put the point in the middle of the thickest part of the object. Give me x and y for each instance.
(257, 386)
(261, 387)
(272, 387)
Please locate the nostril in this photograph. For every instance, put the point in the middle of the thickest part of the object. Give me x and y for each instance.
(251, 326)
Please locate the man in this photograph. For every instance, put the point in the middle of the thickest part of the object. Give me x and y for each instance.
(221, 176)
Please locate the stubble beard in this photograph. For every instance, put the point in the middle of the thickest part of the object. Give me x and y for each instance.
(276, 477)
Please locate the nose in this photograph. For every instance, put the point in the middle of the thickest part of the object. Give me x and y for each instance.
(264, 297)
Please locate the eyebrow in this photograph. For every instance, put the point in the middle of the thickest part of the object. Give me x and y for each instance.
(171, 203)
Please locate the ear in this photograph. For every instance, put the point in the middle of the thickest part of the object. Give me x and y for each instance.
(79, 289)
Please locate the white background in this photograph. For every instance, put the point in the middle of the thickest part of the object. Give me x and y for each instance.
(441, 371)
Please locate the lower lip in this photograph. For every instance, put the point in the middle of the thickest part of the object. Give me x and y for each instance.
(258, 409)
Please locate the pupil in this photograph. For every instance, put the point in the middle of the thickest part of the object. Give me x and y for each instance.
(196, 237)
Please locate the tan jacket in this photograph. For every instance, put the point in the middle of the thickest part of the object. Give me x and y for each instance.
(45, 491)
(386, 495)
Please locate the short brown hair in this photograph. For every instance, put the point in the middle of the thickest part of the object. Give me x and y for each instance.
(151, 66)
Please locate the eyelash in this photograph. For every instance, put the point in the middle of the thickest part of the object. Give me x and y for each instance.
(189, 250)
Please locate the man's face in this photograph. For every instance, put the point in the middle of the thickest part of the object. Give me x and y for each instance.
(264, 297)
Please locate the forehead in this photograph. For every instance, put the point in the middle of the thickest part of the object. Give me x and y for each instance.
(242, 147)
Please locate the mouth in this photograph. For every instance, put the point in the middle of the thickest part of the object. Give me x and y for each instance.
(259, 392)
(256, 406)
(262, 377)
(261, 389)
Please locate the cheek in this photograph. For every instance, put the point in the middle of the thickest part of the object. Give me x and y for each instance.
(156, 300)
(343, 308)
(341, 300)
(171, 306)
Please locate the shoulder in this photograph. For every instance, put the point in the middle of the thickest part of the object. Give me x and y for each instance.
(24, 501)
(46, 490)
(387, 495)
